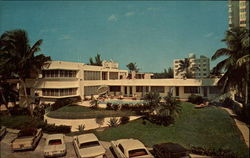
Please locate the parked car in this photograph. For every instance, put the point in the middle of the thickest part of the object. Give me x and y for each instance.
(2, 132)
(130, 148)
(27, 138)
(55, 145)
(88, 146)
(170, 150)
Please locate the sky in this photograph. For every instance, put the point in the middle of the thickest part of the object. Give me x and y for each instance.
(151, 34)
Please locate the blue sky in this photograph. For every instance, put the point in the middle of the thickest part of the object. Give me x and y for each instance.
(151, 34)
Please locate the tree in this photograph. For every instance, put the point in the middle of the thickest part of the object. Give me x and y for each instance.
(186, 67)
(18, 59)
(170, 107)
(236, 65)
(165, 74)
(7, 94)
(152, 100)
(132, 67)
(98, 60)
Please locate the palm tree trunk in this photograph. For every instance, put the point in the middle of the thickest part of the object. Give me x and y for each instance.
(247, 80)
(30, 108)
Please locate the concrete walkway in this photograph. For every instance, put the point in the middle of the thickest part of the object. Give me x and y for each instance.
(91, 123)
(241, 125)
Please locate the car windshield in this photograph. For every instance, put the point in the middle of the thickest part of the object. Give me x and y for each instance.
(89, 144)
(55, 142)
(137, 152)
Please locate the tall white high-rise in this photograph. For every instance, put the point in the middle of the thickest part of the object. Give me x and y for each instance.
(238, 13)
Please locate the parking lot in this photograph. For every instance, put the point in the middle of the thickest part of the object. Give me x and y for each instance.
(6, 152)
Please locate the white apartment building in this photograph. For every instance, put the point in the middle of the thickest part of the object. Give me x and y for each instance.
(238, 11)
(202, 64)
(67, 79)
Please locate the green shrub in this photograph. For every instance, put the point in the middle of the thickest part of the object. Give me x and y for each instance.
(124, 119)
(113, 122)
(195, 99)
(109, 106)
(115, 107)
(222, 153)
(19, 111)
(81, 128)
(52, 128)
(228, 102)
(62, 102)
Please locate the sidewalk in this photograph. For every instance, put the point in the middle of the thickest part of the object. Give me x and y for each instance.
(241, 125)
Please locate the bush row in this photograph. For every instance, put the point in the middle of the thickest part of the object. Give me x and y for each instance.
(222, 153)
(195, 99)
(63, 102)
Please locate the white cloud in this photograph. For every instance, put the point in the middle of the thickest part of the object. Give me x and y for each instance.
(129, 13)
(209, 35)
(112, 18)
(65, 37)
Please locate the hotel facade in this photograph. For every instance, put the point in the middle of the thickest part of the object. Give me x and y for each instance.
(67, 79)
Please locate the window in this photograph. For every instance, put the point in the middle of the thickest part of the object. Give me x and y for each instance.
(55, 142)
(191, 89)
(59, 92)
(137, 153)
(89, 144)
(204, 69)
(92, 75)
(115, 88)
(159, 89)
(139, 88)
(214, 90)
(204, 74)
(121, 148)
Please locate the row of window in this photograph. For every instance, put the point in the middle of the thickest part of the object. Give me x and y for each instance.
(59, 73)
(59, 92)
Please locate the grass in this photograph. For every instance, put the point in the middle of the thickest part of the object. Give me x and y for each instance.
(15, 122)
(81, 112)
(210, 128)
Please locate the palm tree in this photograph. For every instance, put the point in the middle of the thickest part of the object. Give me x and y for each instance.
(186, 67)
(132, 67)
(98, 60)
(236, 65)
(170, 107)
(18, 59)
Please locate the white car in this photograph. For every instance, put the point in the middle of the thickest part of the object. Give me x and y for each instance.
(88, 146)
(130, 148)
(55, 145)
(2, 132)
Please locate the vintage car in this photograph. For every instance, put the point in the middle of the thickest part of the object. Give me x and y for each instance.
(130, 148)
(27, 138)
(2, 132)
(170, 150)
(55, 145)
(88, 146)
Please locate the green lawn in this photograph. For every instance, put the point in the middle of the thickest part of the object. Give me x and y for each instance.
(210, 127)
(15, 121)
(81, 112)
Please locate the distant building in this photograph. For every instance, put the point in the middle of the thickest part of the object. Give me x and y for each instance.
(238, 13)
(110, 64)
(201, 63)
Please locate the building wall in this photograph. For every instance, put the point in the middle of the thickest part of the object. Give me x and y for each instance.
(238, 13)
(203, 64)
(61, 87)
